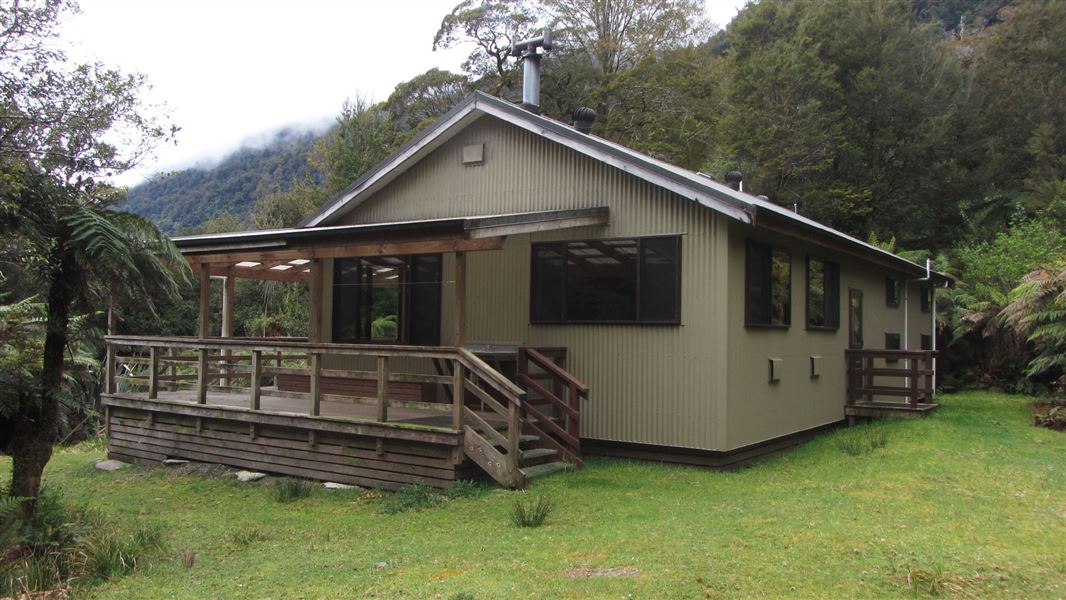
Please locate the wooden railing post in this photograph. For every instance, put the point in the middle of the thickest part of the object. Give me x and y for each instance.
(458, 393)
(201, 379)
(514, 439)
(109, 364)
(316, 383)
(256, 377)
(913, 383)
(153, 373)
(867, 378)
(383, 388)
(929, 374)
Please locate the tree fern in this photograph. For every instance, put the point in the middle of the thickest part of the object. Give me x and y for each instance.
(1037, 310)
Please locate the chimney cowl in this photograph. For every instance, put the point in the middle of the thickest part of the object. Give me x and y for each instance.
(584, 117)
(734, 179)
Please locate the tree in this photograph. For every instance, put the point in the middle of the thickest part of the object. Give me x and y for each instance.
(57, 144)
(363, 135)
(493, 26)
(1037, 311)
(615, 35)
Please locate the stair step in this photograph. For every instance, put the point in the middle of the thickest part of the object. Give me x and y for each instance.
(522, 440)
(546, 469)
(536, 453)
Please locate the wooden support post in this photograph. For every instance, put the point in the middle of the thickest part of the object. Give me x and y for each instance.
(256, 378)
(109, 364)
(107, 421)
(229, 293)
(172, 370)
(868, 380)
(458, 393)
(514, 437)
(913, 383)
(316, 383)
(201, 379)
(315, 317)
(109, 360)
(383, 389)
(205, 301)
(153, 373)
(459, 304)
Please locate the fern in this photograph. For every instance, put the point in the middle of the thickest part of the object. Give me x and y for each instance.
(1037, 311)
(10, 525)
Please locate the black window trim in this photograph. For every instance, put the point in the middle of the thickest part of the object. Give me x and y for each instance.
(747, 280)
(898, 284)
(640, 248)
(405, 331)
(857, 292)
(807, 297)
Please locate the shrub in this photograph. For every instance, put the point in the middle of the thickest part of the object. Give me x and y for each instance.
(862, 441)
(531, 512)
(288, 490)
(465, 488)
(187, 558)
(411, 497)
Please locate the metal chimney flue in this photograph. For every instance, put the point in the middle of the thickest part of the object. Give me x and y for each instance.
(530, 53)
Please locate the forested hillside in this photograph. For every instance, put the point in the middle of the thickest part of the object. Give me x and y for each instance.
(186, 199)
(933, 128)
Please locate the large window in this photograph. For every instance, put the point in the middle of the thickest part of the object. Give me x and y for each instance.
(607, 281)
(767, 286)
(823, 294)
(855, 318)
(387, 300)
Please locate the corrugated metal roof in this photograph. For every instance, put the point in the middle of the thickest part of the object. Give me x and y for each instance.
(699, 188)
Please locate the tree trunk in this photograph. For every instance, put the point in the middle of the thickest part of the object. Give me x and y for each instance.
(37, 420)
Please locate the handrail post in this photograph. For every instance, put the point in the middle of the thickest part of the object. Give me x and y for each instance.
(868, 380)
(316, 383)
(153, 373)
(109, 378)
(458, 393)
(201, 379)
(514, 440)
(383, 388)
(257, 376)
(913, 383)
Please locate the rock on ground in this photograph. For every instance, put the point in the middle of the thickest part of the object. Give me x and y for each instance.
(175, 462)
(111, 465)
(247, 476)
(333, 485)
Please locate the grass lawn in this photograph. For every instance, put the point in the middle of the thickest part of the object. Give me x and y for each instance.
(971, 501)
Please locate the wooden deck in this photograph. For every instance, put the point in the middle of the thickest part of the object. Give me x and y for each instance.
(218, 401)
(889, 383)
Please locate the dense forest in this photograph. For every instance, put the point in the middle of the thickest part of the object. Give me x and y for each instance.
(185, 199)
(934, 128)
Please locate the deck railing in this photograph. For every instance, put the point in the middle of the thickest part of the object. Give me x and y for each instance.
(909, 375)
(240, 365)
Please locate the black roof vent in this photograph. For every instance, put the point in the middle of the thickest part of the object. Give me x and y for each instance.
(584, 117)
(735, 180)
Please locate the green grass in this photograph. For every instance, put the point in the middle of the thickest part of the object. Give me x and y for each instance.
(970, 502)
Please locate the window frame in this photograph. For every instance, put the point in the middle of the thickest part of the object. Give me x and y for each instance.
(834, 310)
(637, 320)
(926, 298)
(747, 286)
(856, 293)
(893, 285)
(405, 299)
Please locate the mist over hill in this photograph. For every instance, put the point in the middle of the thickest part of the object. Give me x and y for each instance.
(184, 199)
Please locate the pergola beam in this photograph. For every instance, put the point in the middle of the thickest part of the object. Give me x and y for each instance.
(350, 250)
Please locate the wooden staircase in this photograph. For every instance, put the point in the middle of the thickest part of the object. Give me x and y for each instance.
(524, 430)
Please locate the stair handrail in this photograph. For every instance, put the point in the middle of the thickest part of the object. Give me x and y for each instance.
(548, 365)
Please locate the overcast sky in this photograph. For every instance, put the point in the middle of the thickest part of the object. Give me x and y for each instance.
(232, 70)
